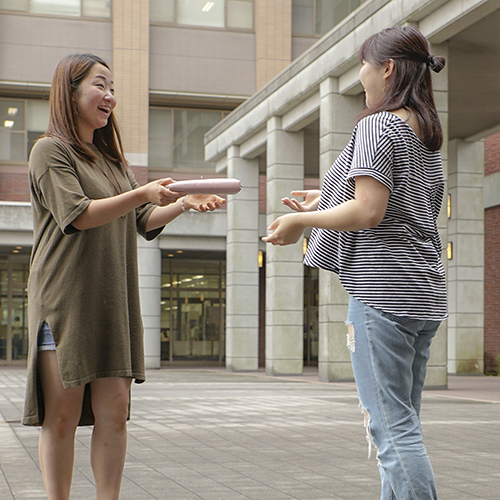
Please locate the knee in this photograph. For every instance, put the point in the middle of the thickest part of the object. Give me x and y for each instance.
(62, 422)
(114, 414)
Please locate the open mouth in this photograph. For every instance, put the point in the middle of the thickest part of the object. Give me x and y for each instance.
(104, 109)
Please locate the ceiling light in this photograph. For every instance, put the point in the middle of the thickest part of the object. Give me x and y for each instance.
(207, 6)
(12, 111)
(8, 123)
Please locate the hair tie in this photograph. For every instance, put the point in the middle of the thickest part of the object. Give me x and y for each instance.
(430, 60)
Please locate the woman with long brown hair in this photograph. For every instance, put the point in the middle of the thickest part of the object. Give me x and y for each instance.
(375, 225)
(86, 335)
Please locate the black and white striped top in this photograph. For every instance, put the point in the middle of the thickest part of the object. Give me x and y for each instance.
(395, 267)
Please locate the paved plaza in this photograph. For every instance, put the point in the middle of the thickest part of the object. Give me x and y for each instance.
(213, 435)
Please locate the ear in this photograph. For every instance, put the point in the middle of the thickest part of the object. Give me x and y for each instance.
(388, 68)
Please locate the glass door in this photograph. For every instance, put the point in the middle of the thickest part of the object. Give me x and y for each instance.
(13, 307)
(193, 310)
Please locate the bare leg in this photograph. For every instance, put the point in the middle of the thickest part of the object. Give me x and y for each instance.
(57, 437)
(110, 400)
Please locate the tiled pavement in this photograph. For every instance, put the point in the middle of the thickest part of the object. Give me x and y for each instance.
(213, 435)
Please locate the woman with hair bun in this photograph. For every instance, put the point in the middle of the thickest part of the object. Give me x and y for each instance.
(375, 225)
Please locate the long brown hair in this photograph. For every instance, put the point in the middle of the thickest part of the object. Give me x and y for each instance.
(63, 118)
(410, 85)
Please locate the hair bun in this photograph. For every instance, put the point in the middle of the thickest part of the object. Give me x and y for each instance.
(436, 63)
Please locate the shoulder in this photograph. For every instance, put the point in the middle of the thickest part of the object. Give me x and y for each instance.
(51, 151)
(50, 147)
(383, 120)
(378, 128)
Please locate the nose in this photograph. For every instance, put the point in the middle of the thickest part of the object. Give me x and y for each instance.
(110, 98)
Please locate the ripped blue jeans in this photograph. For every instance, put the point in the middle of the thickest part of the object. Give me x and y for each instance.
(389, 357)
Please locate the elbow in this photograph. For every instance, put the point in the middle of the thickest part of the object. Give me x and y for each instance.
(81, 223)
(374, 218)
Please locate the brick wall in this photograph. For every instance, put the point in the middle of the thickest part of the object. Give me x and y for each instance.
(14, 184)
(492, 263)
(492, 154)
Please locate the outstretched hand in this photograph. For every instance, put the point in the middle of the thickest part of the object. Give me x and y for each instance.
(287, 229)
(157, 192)
(310, 203)
(203, 202)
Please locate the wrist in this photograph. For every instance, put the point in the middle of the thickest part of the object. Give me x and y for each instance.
(183, 205)
(299, 219)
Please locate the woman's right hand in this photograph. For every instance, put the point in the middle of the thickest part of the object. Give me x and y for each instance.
(310, 203)
(157, 192)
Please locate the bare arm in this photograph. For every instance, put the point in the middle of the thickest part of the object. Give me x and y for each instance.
(102, 211)
(367, 209)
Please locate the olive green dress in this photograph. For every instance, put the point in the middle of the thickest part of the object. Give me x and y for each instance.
(84, 284)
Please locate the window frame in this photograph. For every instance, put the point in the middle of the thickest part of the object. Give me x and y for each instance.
(28, 12)
(172, 109)
(215, 28)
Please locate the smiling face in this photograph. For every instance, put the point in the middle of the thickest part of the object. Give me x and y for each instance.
(95, 100)
(373, 78)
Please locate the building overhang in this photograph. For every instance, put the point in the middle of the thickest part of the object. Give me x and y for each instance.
(468, 29)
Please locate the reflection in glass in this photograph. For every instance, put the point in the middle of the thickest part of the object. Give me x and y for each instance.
(19, 5)
(97, 8)
(330, 12)
(190, 127)
(162, 11)
(239, 14)
(201, 12)
(303, 17)
(160, 138)
(59, 7)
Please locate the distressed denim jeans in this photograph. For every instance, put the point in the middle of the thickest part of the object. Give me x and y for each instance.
(389, 358)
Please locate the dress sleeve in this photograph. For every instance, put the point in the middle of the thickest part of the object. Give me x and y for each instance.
(56, 183)
(373, 152)
(143, 212)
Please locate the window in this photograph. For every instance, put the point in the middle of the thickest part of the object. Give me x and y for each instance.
(77, 8)
(21, 123)
(176, 138)
(311, 17)
(237, 14)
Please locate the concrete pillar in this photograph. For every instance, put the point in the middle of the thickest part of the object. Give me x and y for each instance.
(242, 273)
(466, 267)
(437, 370)
(336, 122)
(284, 268)
(149, 257)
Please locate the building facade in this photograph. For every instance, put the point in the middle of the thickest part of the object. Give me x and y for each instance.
(271, 87)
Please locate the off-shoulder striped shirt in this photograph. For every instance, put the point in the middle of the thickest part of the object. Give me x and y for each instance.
(395, 267)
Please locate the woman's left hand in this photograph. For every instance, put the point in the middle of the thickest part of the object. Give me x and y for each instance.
(203, 202)
(286, 230)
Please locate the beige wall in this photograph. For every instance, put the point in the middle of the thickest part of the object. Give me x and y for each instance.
(131, 76)
(41, 42)
(273, 31)
(202, 61)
